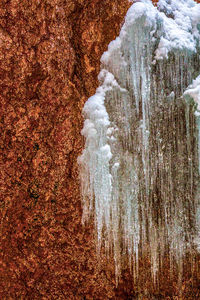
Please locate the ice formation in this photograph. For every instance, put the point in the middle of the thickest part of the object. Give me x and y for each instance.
(139, 169)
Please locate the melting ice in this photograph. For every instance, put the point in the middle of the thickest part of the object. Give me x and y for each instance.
(140, 166)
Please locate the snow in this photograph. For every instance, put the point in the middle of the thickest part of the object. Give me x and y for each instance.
(194, 92)
(180, 29)
(139, 154)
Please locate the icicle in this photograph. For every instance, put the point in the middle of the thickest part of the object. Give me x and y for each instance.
(139, 169)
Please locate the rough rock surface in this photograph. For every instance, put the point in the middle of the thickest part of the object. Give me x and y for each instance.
(49, 61)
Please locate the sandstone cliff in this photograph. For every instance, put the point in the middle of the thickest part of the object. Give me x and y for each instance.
(49, 62)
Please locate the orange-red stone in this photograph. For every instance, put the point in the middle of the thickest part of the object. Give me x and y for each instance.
(49, 61)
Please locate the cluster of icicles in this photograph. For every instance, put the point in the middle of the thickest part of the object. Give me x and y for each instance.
(140, 166)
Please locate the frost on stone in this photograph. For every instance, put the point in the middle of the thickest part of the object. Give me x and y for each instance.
(139, 169)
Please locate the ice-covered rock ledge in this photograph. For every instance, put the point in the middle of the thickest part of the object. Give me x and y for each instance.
(139, 169)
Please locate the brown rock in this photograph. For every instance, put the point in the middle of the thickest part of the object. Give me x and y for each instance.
(49, 62)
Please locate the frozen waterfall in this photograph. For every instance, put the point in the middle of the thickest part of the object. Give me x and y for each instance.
(140, 166)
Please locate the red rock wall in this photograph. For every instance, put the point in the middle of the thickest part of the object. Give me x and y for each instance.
(49, 61)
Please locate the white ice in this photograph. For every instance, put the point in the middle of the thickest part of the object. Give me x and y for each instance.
(138, 169)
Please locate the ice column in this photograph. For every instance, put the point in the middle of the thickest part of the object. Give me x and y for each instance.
(139, 169)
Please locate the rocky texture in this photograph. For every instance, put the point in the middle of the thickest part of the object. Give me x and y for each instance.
(49, 61)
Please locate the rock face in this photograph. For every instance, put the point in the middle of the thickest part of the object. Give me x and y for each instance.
(50, 52)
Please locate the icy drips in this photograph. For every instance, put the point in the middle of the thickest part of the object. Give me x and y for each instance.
(139, 168)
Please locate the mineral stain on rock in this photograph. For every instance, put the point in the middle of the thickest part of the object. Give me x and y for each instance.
(49, 62)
